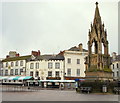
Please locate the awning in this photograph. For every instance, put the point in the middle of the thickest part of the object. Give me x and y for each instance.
(0, 77)
(4, 78)
(25, 78)
(79, 79)
(57, 81)
(11, 78)
(15, 78)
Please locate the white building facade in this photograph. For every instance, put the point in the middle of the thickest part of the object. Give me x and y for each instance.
(45, 69)
(74, 62)
(12, 67)
(68, 64)
(115, 66)
(14, 64)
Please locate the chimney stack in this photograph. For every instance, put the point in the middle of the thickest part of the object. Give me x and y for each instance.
(38, 52)
(35, 53)
(80, 46)
(17, 55)
(13, 54)
(114, 56)
(7, 56)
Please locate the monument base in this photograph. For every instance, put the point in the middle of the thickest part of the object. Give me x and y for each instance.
(99, 75)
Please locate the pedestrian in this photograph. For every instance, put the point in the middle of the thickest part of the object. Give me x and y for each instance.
(62, 86)
(76, 86)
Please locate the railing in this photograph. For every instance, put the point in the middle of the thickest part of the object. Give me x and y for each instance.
(9, 88)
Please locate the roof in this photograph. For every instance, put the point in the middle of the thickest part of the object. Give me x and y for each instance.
(116, 59)
(48, 57)
(16, 58)
(76, 49)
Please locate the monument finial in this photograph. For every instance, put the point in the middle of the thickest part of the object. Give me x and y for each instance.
(96, 3)
(97, 17)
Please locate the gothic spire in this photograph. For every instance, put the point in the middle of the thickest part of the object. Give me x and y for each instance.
(97, 18)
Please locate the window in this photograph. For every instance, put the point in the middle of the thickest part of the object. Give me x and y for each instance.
(117, 65)
(21, 63)
(69, 60)
(78, 61)
(78, 72)
(21, 71)
(31, 65)
(57, 74)
(1, 65)
(69, 72)
(57, 65)
(49, 73)
(6, 64)
(6, 72)
(31, 73)
(16, 63)
(50, 65)
(16, 71)
(37, 74)
(113, 74)
(1, 73)
(113, 66)
(12, 64)
(37, 65)
(117, 74)
(11, 72)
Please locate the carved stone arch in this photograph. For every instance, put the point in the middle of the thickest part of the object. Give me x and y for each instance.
(103, 41)
(94, 41)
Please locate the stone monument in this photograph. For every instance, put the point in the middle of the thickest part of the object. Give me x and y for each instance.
(98, 61)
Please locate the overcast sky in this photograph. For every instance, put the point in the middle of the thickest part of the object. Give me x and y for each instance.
(53, 26)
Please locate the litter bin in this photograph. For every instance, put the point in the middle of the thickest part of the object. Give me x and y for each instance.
(104, 89)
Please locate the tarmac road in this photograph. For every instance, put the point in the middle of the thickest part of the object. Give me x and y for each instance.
(56, 95)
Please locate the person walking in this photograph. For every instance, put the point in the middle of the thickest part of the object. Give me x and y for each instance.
(76, 86)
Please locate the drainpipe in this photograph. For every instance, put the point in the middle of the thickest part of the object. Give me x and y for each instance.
(25, 66)
(64, 69)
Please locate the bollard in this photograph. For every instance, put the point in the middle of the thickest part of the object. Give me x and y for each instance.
(104, 89)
